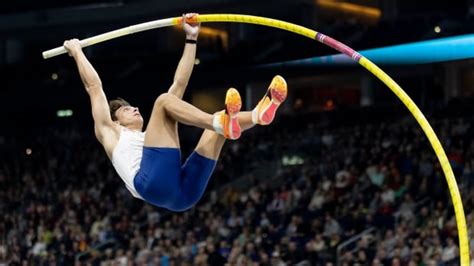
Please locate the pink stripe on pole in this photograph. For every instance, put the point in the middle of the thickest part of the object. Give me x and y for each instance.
(338, 46)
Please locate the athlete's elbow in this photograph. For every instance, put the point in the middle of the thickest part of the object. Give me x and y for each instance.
(180, 83)
(93, 88)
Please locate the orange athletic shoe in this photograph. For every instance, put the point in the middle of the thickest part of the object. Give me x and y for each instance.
(264, 112)
(226, 121)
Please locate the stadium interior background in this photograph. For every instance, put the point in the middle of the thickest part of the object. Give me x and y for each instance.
(339, 131)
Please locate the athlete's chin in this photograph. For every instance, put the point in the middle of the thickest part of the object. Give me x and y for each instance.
(139, 121)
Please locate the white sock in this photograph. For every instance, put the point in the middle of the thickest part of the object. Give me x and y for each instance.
(255, 116)
(216, 123)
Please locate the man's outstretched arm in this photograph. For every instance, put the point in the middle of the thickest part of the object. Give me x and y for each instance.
(186, 64)
(93, 85)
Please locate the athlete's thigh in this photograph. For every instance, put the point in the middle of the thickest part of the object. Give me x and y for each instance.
(162, 130)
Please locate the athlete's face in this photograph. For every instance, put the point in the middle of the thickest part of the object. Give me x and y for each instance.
(129, 116)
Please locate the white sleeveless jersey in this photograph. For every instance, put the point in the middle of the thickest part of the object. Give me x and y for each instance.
(127, 156)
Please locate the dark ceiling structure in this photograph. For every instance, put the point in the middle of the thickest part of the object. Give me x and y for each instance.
(226, 51)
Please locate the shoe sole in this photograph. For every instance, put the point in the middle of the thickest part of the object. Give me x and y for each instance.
(278, 91)
(233, 104)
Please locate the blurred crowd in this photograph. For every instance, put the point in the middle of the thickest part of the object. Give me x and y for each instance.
(63, 204)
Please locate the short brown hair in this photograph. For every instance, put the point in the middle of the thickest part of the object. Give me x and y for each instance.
(114, 105)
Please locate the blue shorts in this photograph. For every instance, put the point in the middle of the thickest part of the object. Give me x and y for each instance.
(164, 182)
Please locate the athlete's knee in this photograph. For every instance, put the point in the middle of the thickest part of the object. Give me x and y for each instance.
(163, 100)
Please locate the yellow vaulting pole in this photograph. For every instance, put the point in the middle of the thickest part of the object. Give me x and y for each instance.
(391, 84)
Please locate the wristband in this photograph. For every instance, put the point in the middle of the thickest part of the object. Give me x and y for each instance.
(191, 41)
